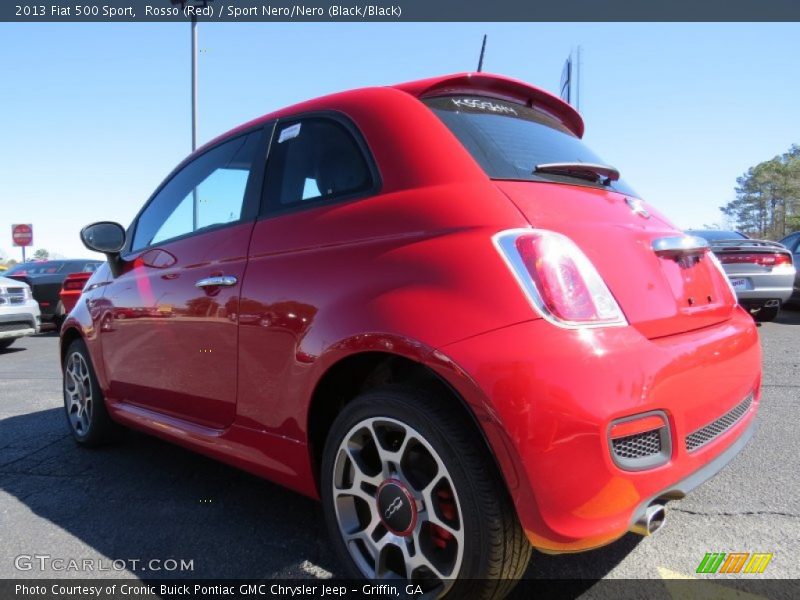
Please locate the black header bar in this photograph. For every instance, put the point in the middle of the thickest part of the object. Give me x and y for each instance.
(399, 10)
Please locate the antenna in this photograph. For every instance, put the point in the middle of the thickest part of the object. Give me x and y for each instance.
(483, 51)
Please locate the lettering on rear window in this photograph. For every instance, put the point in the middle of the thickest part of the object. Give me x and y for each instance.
(486, 105)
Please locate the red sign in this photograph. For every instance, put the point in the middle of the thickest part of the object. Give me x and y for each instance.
(22, 234)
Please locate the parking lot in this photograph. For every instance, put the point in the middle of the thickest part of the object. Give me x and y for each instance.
(144, 499)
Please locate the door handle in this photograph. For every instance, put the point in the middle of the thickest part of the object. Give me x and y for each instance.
(218, 281)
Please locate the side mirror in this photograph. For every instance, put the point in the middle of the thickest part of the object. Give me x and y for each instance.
(106, 237)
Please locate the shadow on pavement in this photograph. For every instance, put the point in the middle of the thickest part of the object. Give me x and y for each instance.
(11, 350)
(144, 498)
(788, 316)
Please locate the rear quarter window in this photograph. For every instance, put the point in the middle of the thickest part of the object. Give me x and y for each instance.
(314, 159)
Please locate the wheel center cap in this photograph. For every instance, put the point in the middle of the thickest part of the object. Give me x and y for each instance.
(396, 507)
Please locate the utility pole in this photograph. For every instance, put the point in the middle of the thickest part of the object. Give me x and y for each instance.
(483, 51)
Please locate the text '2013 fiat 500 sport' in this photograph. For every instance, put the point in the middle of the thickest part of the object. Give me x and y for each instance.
(433, 308)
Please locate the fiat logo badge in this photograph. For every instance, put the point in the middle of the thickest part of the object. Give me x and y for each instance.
(396, 504)
(637, 207)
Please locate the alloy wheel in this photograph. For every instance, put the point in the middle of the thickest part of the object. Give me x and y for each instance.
(396, 505)
(78, 390)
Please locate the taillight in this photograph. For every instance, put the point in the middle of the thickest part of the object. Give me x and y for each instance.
(764, 260)
(75, 284)
(558, 279)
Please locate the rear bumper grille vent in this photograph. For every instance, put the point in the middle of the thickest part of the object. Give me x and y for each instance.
(711, 431)
(641, 450)
(640, 445)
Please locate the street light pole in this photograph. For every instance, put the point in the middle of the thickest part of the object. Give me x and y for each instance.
(194, 83)
(195, 206)
(578, 82)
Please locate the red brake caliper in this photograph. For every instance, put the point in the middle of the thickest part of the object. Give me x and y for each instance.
(447, 509)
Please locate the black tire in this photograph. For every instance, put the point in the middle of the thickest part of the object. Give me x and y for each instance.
(59, 317)
(7, 343)
(496, 551)
(766, 313)
(97, 428)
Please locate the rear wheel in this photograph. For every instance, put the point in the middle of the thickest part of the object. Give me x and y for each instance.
(410, 492)
(59, 316)
(766, 313)
(84, 404)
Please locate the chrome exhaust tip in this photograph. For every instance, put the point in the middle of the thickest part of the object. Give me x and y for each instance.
(651, 521)
(772, 303)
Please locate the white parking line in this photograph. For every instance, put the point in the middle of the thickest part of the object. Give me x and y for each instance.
(703, 590)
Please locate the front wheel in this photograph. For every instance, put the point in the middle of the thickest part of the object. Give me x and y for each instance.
(409, 491)
(84, 404)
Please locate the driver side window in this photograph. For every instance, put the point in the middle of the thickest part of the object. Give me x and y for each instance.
(208, 191)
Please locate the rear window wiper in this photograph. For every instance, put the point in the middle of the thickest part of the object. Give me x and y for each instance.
(597, 173)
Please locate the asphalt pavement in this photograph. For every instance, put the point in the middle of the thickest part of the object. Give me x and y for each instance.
(144, 499)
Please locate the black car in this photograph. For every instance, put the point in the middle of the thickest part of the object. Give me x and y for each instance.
(45, 279)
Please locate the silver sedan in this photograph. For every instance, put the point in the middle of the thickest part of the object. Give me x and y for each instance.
(761, 272)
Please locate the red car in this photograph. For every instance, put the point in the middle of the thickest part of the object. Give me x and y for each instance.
(71, 290)
(432, 307)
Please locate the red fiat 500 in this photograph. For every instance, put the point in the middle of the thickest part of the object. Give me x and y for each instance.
(434, 308)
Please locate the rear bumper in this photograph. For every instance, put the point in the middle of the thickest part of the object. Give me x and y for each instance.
(683, 487)
(764, 294)
(764, 286)
(551, 394)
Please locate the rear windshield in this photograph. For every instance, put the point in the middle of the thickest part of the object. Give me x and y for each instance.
(508, 140)
(38, 268)
(52, 267)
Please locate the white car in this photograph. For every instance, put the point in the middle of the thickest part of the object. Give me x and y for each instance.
(19, 312)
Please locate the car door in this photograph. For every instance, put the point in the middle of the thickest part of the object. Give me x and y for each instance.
(169, 332)
(317, 166)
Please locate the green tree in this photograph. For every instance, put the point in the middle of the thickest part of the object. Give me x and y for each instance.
(767, 200)
(41, 254)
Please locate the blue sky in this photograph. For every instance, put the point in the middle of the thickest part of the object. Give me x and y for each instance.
(95, 115)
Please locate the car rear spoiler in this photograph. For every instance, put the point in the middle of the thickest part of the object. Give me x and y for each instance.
(748, 245)
(497, 86)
